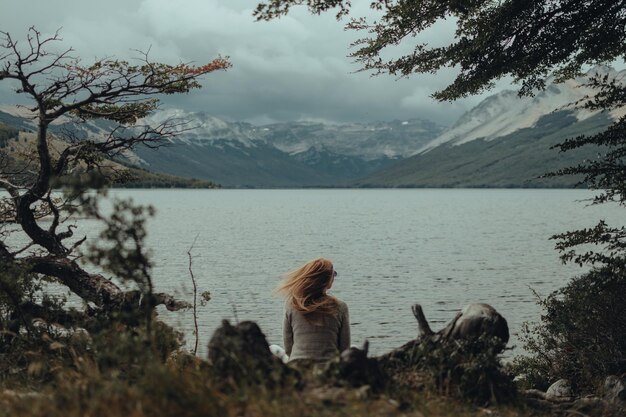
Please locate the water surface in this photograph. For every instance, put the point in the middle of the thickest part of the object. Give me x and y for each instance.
(392, 248)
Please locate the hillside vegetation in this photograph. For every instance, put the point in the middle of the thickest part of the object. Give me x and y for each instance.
(516, 160)
(18, 147)
(7, 133)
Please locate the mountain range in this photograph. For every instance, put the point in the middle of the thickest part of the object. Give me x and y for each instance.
(502, 142)
(238, 154)
(506, 141)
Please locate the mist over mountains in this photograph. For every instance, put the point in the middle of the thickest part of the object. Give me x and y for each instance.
(502, 142)
(506, 141)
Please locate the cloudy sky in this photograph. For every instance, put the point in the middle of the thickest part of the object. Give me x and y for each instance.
(294, 68)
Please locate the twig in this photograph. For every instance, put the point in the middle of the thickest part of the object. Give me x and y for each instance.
(234, 307)
(195, 296)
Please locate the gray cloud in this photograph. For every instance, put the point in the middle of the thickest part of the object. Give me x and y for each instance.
(293, 68)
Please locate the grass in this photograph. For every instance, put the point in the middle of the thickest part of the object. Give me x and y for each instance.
(168, 392)
(128, 378)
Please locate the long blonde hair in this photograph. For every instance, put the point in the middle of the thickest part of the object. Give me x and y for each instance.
(305, 288)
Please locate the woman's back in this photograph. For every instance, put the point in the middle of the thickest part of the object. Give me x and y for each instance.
(318, 336)
(316, 325)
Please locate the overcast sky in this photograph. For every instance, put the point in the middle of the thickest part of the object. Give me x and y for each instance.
(294, 68)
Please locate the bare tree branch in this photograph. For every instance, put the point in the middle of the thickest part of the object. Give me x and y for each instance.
(58, 84)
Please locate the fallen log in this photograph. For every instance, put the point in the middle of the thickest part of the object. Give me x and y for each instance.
(474, 321)
(459, 360)
(471, 323)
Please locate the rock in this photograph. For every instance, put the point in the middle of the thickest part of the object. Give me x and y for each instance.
(560, 390)
(364, 392)
(355, 369)
(241, 355)
(615, 389)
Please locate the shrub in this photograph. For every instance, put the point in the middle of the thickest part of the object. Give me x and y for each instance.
(466, 369)
(582, 333)
(7, 133)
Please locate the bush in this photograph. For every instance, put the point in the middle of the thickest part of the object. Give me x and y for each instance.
(7, 133)
(470, 370)
(582, 333)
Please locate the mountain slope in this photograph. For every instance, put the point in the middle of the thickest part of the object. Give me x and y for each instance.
(230, 165)
(504, 113)
(505, 141)
(368, 141)
(291, 154)
(18, 151)
(513, 160)
(502, 142)
(239, 154)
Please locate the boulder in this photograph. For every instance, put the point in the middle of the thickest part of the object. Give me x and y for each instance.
(615, 389)
(240, 355)
(559, 391)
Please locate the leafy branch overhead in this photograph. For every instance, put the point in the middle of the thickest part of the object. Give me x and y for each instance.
(57, 84)
(528, 40)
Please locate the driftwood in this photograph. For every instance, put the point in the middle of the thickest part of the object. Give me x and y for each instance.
(474, 321)
(355, 369)
(460, 360)
(241, 355)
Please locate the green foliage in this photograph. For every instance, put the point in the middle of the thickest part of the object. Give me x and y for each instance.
(470, 370)
(582, 334)
(524, 39)
(140, 178)
(7, 133)
(16, 287)
(120, 249)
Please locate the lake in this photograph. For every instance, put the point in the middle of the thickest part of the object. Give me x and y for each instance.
(391, 248)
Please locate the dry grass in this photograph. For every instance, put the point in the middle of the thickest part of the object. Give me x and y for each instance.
(185, 387)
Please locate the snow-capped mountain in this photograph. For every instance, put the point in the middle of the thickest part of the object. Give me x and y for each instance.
(203, 127)
(506, 141)
(368, 141)
(505, 112)
(241, 154)
(283, 154)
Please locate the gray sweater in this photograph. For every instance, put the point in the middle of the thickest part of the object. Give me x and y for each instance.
(305, 340)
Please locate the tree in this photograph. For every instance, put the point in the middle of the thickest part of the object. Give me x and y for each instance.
(530, 41)
(526, 40)
(59, 85)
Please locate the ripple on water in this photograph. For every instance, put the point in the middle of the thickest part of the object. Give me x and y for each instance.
(393, 248)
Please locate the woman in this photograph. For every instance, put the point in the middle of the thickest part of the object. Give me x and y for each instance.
(316, 324)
